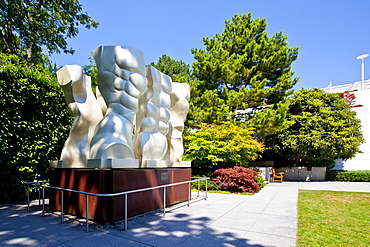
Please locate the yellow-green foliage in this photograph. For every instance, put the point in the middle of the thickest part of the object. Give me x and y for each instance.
(223, 145)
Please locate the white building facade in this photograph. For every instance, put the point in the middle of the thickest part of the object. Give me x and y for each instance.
(362, 93)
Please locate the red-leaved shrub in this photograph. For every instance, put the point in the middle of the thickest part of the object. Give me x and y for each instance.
(237, 179)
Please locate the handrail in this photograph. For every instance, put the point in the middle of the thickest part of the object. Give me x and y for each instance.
(125, 193)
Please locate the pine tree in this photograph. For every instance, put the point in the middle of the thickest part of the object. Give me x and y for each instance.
(247, 68)
(243, 57)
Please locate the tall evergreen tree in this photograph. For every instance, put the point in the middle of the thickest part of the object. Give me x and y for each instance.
(246, 67)
(174, 68)
(244, 57)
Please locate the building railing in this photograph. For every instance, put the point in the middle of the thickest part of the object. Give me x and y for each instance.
(40, 185)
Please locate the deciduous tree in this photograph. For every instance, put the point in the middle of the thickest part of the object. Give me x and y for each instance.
(29, 26)
(324, 129)
(215, 146)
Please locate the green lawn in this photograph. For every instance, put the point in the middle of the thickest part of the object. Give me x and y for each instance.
(332, 218)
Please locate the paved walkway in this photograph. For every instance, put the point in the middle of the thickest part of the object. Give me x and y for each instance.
(268, 218)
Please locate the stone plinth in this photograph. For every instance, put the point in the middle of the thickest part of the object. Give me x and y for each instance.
(104, 181)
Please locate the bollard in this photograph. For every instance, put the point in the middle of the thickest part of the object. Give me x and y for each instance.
(164, 201)
(87, 213)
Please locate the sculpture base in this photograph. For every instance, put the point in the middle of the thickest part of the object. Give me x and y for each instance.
(104, 181)
(182, 164)
(112, 163)
(155, 163)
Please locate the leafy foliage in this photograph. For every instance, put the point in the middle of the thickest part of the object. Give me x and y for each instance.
(243, 68)
(351, 99)
(175, 69)
(244, 57)
(27, 27)
(34, 124)
(92, 71)
(271, 120)
(215, 146)
(209, 108)
(237, 179)
(324, 129)
(203, 184)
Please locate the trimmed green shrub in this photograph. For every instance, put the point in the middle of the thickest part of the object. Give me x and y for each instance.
(210, 185)
(237, 179)
(34, 121)
(260, 181)
(353, 176)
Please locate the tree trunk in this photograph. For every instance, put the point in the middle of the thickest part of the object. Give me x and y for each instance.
(297, 158)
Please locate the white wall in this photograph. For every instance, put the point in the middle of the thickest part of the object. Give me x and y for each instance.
(303, 173)
(362, 160)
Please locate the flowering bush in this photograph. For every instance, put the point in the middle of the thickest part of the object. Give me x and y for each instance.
(237, 179)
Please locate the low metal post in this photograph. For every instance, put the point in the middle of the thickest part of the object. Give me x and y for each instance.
(62, 206)
(87, 213)
(206, 196)
(28, 198)
(125, 212)
(43, 201)
(38, 188)
(189, 191)
(198, 186)
(164, 201)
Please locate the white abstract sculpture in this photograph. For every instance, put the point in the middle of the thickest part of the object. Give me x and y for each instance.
(137, 119)
(86, 114)
(121, 81)
(154, 125)
(101, 101)
(180, 97)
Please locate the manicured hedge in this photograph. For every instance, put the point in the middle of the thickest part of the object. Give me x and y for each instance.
(353, 176)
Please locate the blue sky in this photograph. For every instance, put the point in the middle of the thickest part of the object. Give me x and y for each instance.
(330, 33)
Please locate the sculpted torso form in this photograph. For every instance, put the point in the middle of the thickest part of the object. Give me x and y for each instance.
(155, 123)
(86, 115)
(122, 80)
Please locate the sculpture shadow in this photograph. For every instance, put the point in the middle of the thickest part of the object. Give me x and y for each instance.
(177, 228)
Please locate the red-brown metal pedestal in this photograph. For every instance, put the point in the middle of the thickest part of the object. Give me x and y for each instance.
(108, 181)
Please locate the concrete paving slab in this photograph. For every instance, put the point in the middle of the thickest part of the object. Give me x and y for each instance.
(336, 186)
(256, 239)
(156, 236)
(243, 224)
(215, 236)
(276, 225)
(251, 207)
(268, 218)
(103, 239)
(281, 209)
(25, 236)
(241, 215)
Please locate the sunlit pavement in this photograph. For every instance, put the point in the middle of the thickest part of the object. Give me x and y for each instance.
(268, 218)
